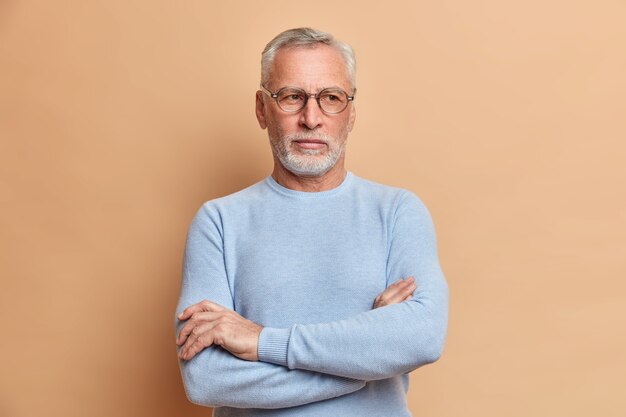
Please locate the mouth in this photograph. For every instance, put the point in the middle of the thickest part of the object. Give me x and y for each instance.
(311, 143)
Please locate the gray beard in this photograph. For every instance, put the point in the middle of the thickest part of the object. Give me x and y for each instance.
(305, 165)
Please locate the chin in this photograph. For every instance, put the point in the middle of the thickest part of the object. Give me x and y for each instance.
(315, 168)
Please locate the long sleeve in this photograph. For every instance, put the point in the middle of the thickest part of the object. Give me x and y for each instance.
(215, 377)
(384, 342)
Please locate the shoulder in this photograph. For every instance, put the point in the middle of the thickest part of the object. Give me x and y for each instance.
(245, 197)
(214, 210)
(394, 197)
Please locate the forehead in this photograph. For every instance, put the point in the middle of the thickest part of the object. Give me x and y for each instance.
(311, 68)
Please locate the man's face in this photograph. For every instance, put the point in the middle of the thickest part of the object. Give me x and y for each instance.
(309, 142)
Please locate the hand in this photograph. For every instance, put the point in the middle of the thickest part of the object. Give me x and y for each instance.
(211, 324)
(399, 291)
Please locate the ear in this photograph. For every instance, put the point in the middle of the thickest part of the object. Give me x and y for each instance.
(260, 110)
(352, 117)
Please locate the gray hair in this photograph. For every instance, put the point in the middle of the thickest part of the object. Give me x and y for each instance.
(305, 37)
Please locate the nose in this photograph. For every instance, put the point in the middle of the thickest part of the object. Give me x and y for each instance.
(311, 115)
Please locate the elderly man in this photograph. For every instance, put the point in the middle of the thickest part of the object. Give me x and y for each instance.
(313, 292)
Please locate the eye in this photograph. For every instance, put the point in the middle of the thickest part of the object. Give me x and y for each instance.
(333, 97)
(291, 96)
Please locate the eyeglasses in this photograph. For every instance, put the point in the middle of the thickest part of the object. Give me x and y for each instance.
(330, 100)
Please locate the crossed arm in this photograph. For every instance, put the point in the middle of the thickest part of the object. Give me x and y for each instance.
(324, 360)
(219, 377)
(208, 324)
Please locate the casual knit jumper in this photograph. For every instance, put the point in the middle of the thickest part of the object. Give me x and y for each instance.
(307, 266)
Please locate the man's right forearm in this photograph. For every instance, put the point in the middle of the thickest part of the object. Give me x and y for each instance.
(215, 378)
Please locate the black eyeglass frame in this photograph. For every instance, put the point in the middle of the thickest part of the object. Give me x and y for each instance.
(307, 95)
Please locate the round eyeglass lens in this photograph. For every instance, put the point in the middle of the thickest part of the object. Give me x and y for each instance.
(291, 99)
(333, 101)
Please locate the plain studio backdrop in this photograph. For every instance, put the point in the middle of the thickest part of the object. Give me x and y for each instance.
(119, 118)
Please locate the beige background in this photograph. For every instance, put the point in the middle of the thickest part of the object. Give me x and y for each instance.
(119, 118)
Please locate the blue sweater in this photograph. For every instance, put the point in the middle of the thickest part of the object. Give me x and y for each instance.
(307, 267)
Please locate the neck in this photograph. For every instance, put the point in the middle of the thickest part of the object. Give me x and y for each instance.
(331, 179)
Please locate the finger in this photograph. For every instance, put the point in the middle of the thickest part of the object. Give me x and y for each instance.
(187, 329)
(394, 289)
(406, 292)
(409, 289)
(407, 284)
(195, 321)
(400, 291)
(403, 283)
(207, 325)
(189, 311)
(383, 298)
(408, 281)
(397, 298)
(198, 335)
(202, 342)
(204, 305)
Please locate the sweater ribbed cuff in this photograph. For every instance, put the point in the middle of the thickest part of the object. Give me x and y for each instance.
(273, 345)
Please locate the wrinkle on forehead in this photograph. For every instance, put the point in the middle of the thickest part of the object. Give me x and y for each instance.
(309, 68)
